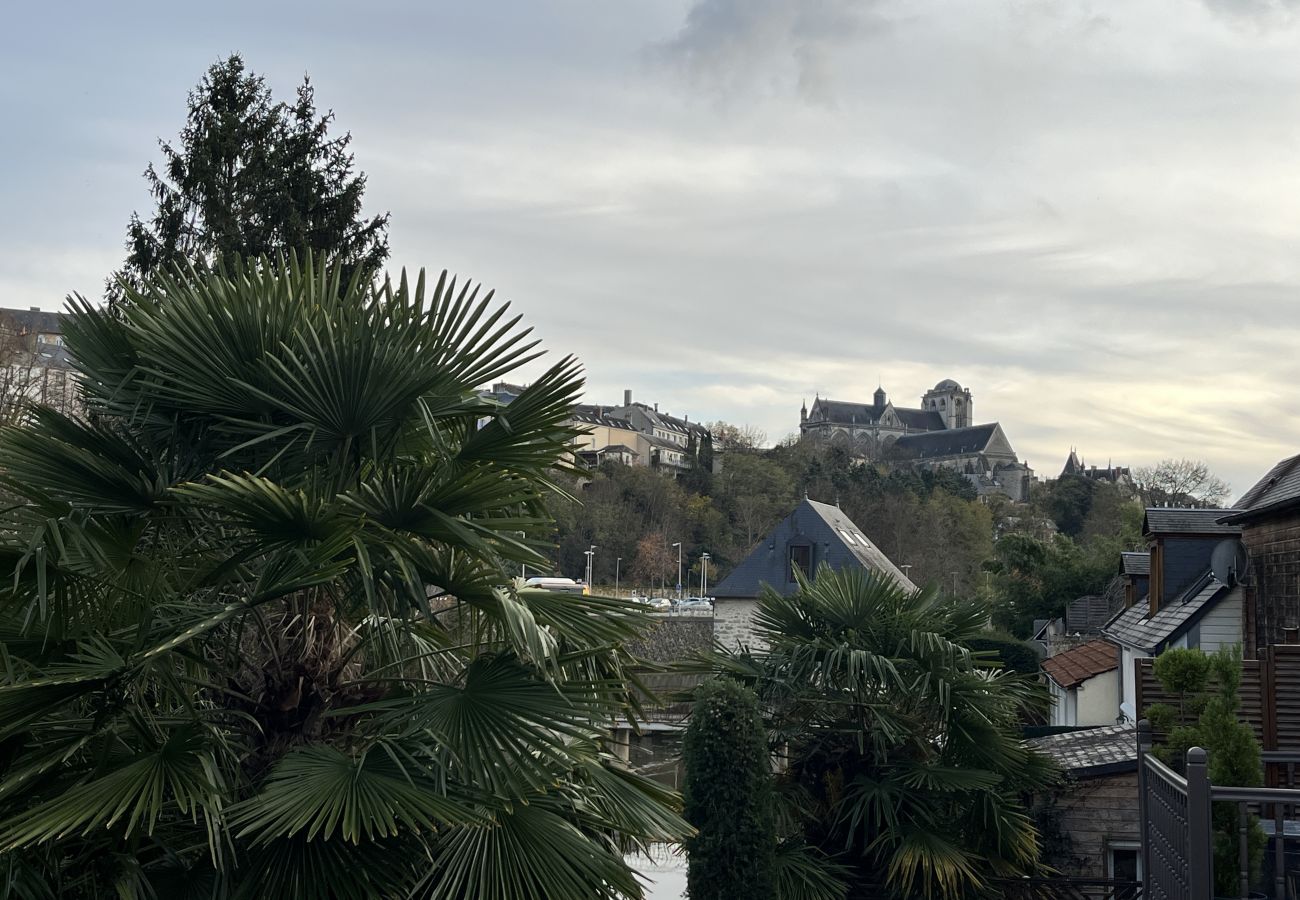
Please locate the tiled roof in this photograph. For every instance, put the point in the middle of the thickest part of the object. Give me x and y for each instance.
(1135, 563)
(1108, 749)
(1174, 520)
(839, 543)
(1075, 666)
(1135, 628)
(949, 442)
(1277, 490)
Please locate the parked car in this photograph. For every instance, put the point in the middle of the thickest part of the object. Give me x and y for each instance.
(658, 604)
(695, 603)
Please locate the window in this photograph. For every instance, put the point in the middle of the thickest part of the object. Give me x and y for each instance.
(848, 538)
(1122, 861)
(800, 558)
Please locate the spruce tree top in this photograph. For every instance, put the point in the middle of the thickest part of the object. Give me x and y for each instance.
(252, 177)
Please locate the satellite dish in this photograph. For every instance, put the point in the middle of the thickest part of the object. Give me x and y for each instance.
(1229, 562)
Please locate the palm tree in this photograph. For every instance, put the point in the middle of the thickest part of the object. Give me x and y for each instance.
(259, 637)
(901, 754)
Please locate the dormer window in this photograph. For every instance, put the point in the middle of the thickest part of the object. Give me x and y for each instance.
(801, 559)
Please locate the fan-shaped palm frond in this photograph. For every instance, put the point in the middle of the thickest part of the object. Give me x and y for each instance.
(259, 633)
(905, 766)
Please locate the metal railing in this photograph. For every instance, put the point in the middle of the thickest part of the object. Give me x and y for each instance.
(1177, 824)
(1069, 889)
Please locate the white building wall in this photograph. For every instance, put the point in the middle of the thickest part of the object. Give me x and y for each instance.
(1128, 697)
(1221, 627)
(1097, 700)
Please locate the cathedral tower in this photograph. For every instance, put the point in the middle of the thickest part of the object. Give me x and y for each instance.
(952, 402)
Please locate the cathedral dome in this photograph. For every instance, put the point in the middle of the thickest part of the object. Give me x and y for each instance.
(947, 385)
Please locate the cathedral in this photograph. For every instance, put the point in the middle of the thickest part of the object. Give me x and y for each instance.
(940, 433)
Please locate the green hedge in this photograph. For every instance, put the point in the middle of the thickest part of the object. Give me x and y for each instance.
(727, 796)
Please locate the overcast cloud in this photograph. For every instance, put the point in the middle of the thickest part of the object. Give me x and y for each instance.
(1087, 212)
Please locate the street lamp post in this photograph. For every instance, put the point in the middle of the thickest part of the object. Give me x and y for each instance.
(954, 583)
(523, 567)
(704, 574)
(591, 557)
(616, 565)
(678, 545)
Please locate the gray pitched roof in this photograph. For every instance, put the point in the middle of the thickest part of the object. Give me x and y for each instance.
(1134, 628)
(847, 413)
(836, 540)
(1110, 749)
(38, 321)
(1276, 491)
(595, 415)
(949, 442)
(1135, 563)
(1175, 520)
(926, 419)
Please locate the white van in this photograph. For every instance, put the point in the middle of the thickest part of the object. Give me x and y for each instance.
(557, 585)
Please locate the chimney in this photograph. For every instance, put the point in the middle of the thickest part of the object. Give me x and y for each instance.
(627, 398)
(656, 407)
(35, 308)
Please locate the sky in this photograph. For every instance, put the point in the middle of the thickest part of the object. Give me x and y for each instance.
(1086, 212)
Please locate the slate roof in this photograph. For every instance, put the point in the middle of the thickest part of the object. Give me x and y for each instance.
(1135, 628)
(1175, 520)
(925, 419)
(850, 413)
(847, 413)
(1075, 666)
(38, 321)
(837, 540)
(1108, 750)
(595, 415)
(1135, 563)
(1276, 491)
(949, 442)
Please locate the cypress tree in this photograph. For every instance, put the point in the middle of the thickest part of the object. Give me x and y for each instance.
(727, 796)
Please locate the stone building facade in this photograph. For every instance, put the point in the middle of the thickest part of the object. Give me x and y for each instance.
(941, 433)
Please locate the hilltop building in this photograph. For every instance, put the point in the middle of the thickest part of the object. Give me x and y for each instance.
(1117, 475)
(939, 434)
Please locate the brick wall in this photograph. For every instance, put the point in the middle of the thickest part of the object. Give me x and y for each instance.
(1274, 549)
(1094, 813)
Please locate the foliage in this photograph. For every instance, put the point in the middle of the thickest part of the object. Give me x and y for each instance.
(252, 177)
(259, 636)
(727, 797)
(1014, 654)
(1180, 482)
(1068, 501)
(1207, 686)
(904, 763)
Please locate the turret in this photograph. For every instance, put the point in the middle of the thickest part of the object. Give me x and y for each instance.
(879, 398)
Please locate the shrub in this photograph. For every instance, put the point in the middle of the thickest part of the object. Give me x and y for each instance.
(1206, 686)
(1016, 655)
(727, 796)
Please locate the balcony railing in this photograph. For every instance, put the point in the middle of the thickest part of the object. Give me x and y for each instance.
(1175, 812)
